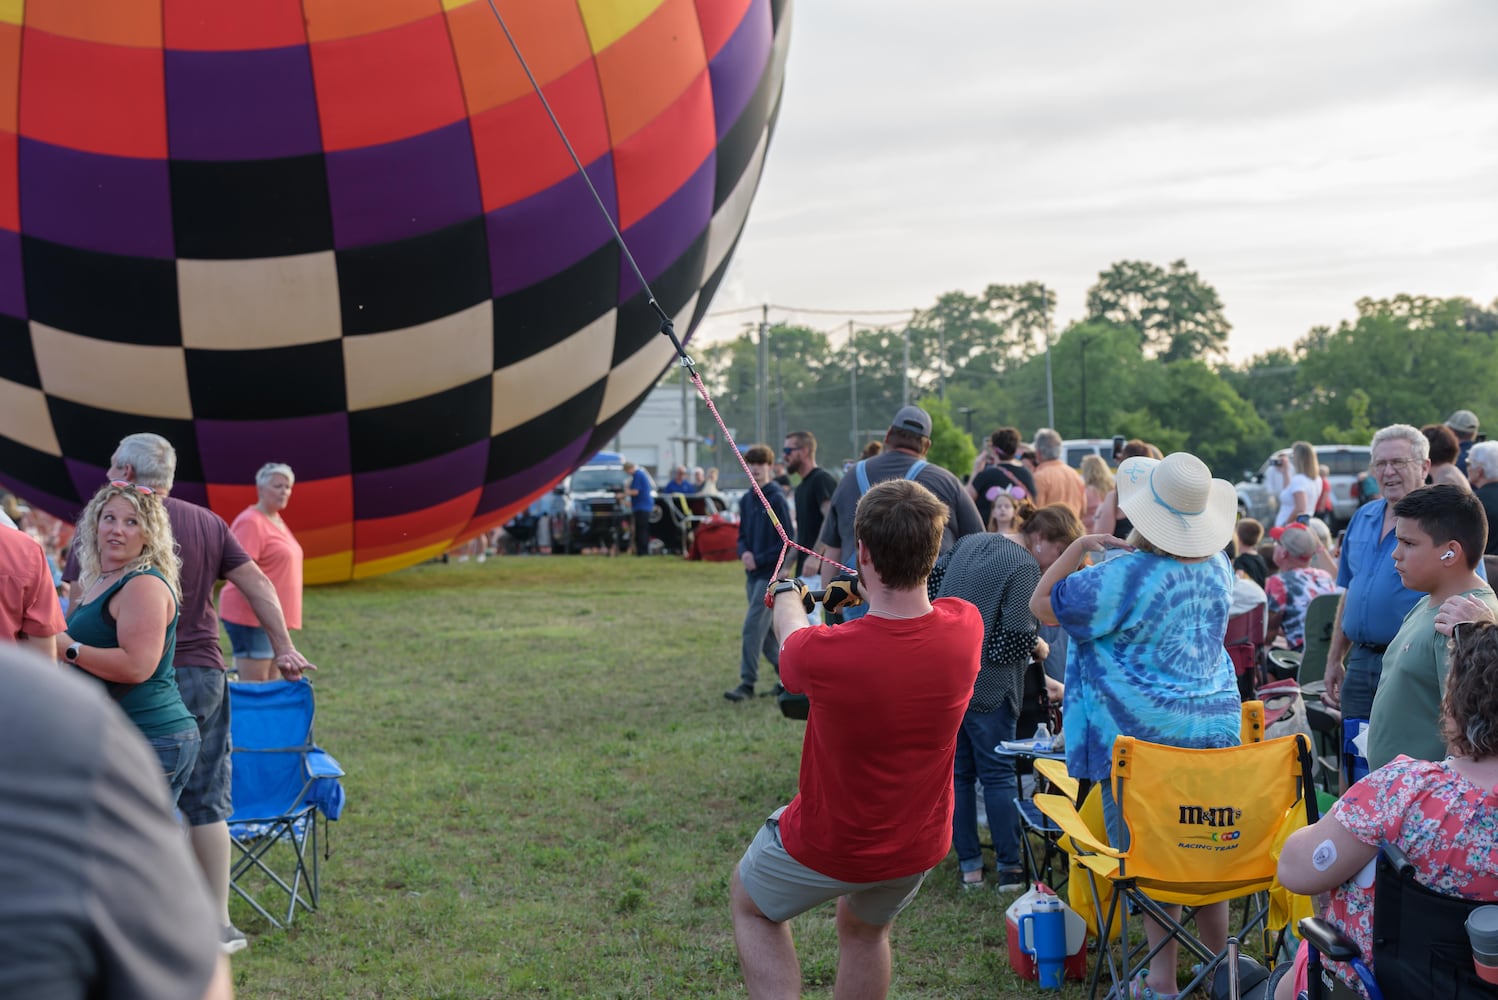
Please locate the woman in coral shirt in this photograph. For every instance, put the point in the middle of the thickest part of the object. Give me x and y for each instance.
(270, 543)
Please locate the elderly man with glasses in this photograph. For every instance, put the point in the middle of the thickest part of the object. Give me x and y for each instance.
(1374, 601)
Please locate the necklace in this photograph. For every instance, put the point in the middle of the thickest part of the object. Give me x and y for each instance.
(891, 614)
(95, 588)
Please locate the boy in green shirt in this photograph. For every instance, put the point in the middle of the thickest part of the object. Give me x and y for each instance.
(1441, 532)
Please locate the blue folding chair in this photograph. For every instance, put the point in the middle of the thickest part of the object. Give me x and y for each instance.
(281, 783)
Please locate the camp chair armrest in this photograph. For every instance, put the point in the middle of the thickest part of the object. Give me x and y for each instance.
(1328, 939)
(321, 764)
(1055, 772)
(1064, 814)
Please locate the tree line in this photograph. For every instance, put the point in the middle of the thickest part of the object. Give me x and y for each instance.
(1147, 361)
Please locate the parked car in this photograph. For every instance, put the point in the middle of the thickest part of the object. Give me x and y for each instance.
(543, 526)
(595, 518)
(1344, 461)
(1073, 450)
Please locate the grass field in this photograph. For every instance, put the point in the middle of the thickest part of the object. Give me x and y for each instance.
(547, 793)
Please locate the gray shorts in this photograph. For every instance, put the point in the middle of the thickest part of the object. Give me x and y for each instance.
(783, 887)
(205, 798)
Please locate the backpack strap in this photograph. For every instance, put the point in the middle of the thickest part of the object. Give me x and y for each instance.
(863, 474)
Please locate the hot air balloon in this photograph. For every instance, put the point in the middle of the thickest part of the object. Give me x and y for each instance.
(345, 235)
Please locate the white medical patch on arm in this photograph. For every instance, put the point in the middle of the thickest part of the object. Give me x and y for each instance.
(1324, 856)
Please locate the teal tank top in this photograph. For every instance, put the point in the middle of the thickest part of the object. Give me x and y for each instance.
(154, 705)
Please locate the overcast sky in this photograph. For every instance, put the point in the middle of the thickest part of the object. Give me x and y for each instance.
(1298, 155)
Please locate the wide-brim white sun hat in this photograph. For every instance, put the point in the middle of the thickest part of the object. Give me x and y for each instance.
(1177, 505)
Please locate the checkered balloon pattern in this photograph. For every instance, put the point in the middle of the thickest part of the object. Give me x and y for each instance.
(344, 235)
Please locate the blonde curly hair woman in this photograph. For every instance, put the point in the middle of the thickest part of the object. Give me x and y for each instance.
(122, 628)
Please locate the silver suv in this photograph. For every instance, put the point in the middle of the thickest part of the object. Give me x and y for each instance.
(1344, 461)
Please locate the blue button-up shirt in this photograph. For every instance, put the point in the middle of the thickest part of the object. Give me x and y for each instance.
(1376, 601)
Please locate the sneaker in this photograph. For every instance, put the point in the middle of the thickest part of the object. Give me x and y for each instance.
(1012, 880)
(774, 692)
(741, 693)
(231, 939)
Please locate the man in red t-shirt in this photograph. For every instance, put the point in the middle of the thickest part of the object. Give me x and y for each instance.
(874, 810)
(29, 609)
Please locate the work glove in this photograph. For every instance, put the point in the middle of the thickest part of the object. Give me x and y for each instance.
(778, 587)
(841, 593)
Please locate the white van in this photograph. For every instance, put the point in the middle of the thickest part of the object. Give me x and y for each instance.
(1076, 449)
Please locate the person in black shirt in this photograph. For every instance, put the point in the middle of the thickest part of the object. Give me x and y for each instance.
(1000, 468)
(1250, 532)
(813, 495)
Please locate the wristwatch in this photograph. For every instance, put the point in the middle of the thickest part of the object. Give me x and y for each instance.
(72, 652)
(784, 587)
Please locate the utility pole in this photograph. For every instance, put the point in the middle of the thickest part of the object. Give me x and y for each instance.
(779, 405)
(853, 389)
(941, 364)
(687, 424)
(1050, 396)
(762, 394)
(905, 362)
(1083, 342)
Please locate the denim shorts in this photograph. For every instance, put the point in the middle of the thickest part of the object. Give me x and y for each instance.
(206, 797)
(783, 887)
(249, 642)
(177, 752)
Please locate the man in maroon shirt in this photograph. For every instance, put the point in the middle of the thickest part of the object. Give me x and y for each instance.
(209, 553)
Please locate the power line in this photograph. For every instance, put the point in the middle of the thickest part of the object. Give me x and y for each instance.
(818, 312)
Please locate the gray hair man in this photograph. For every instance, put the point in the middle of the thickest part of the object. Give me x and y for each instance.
(1482, 473)
(209, 553)
(1055, 481)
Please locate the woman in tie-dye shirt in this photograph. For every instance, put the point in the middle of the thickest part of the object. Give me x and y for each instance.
(1146, 657)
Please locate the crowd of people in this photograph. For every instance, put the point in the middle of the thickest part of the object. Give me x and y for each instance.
(979, 610)
(131, 613)
(1105, 594)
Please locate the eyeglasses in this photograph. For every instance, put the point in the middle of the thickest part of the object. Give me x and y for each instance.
(790, 451)
(123, 484)
(1392, 463)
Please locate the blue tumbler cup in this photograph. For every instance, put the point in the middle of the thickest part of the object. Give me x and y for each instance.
(1047, 933)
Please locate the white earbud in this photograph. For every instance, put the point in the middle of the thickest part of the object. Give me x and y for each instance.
(1448, 557)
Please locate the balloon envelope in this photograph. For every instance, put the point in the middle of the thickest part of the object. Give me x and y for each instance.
(344, 235)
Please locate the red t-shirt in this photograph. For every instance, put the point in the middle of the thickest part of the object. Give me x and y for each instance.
(28, 601)
(887, 698)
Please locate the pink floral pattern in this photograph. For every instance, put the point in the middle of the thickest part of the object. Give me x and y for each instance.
(1446, 826)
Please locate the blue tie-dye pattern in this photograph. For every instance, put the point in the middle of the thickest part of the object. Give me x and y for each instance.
(1146, 657)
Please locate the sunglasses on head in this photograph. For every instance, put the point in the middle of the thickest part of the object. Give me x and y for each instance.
(121, 484)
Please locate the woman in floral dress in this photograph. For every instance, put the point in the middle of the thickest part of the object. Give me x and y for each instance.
(1442, 814)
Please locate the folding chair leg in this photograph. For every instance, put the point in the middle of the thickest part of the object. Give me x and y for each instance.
(1105, 943)
(301, 890)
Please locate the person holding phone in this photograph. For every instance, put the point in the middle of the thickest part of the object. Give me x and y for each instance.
(1303, 490)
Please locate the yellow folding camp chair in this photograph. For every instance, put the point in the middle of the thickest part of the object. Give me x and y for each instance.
(1089, 901)
(1202, 825)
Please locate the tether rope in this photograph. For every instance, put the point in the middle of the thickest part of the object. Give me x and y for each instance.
(667, 327)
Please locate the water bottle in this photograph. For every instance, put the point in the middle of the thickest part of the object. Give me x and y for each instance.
(1047, 923)
(1042, 738)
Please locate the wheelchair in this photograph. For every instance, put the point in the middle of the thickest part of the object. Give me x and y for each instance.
(1420, 948)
